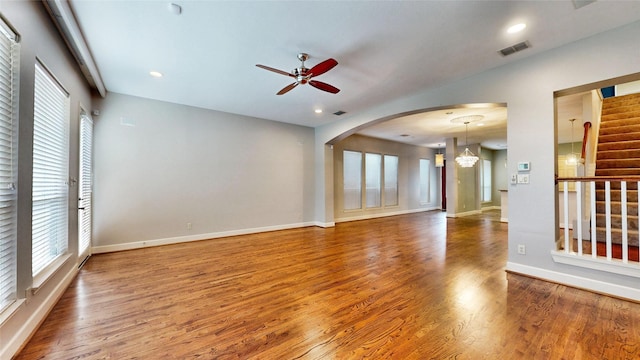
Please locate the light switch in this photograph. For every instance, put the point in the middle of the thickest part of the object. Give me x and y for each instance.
(523, 178)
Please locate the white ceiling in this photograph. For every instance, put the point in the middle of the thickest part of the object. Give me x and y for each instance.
(385, 50)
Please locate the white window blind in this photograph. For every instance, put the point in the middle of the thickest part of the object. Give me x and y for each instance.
(390, 180)
(50, 171)
(486, 180)
(86, 187)
(425, 197)
(9, 70)
(352, 179)
(373, 179)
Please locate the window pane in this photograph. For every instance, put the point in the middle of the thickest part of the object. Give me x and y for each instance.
(50, 171)
(373, 170)
(9, 60)
(424, 181)
(352, 178)
(486, 180)
(390, 180)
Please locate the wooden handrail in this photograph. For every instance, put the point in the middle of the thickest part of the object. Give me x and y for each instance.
(600, 178)
(585, 138)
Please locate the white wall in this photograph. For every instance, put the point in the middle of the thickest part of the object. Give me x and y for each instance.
(222, 173)
(527, 87)
(39, 39)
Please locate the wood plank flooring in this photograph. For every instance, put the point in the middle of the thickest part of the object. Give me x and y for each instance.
(417, 286)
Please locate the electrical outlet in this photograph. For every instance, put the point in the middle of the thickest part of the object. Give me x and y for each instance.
(522, 250)
(514, 178)
(188, 226)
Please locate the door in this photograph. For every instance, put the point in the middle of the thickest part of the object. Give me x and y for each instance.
(85, 188)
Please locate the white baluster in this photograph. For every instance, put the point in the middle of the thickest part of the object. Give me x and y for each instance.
(607, 202)
(623, 212)
(594, 245)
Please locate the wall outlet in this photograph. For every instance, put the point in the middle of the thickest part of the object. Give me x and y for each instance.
(188, 226)
(522, 250)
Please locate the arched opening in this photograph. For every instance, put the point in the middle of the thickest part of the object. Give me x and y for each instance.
(388, 166)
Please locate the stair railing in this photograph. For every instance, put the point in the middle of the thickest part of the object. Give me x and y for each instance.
(619, 254)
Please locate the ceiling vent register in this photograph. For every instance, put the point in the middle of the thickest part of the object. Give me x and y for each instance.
(515, 48)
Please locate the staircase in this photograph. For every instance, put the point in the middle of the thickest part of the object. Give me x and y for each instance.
(618, 154)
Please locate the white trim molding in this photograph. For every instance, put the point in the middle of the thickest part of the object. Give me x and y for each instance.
(596, 286)
(197, 237)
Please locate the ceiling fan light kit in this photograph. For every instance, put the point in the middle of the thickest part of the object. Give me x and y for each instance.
(304, 75)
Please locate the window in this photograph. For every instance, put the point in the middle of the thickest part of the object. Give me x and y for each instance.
(352, 178)
(85, 188)
(9, 69)
(50, 171)
(425, 196)
(379, 172)
(390, 180)
(486, 180)
(373, 179)
(424, 181)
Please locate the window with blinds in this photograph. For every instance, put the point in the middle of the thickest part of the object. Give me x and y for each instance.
(390, 180)
(50, 171)
(85, 184)
(352, 179)
(373, 179)
(9, 70)
(425, 195)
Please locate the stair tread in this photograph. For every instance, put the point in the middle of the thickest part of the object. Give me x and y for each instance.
(615, 230)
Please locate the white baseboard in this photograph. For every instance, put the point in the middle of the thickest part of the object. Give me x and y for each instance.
(14, 342)
(466, 213)
(198, 237)
(379, 215)
(596, 286)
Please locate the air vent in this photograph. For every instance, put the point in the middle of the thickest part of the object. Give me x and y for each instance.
(515, 48)
(339, 112)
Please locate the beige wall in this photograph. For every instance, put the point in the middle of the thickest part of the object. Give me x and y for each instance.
(168, 173)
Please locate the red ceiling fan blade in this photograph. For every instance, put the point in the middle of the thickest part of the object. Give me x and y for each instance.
(323, 67)
(287, 88)
(324, 86)
(275, 70)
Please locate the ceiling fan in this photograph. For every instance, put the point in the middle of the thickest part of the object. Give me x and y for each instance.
(304, 75)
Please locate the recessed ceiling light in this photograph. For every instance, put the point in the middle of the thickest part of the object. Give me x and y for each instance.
(318, 111)
(155, 74)
(480, 124)
(516, 28)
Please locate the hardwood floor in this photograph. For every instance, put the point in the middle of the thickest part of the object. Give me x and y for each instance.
(417, 286)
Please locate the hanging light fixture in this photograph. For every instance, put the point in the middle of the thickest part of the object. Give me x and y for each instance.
(467, 159)
(439, 158)
(572, 159)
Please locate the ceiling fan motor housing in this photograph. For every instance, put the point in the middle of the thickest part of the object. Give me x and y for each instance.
(301, 74)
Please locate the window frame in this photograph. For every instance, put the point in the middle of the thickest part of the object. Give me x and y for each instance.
(51, 158)
(10, 82)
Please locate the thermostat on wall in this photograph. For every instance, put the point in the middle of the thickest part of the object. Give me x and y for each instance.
(524, 166)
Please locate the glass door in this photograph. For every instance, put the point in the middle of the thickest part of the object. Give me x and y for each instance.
(85, 188)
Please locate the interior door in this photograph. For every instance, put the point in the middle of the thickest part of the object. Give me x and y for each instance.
(85, 188)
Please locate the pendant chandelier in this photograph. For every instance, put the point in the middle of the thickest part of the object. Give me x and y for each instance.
(466, 159)
(572, 159)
